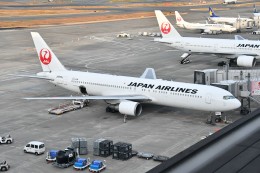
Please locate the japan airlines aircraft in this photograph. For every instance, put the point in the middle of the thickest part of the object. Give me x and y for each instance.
(244, 52)
(230, 20)
(123, 93)
(204, 28)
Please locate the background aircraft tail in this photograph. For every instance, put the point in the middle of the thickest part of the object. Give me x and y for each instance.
(179, 19)
(212, 13)
(48, 59)
(255, 10)
(167, 30)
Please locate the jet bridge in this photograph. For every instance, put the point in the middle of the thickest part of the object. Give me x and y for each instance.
(242, 83)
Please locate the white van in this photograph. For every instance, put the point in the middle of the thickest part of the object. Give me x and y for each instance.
(34, 147)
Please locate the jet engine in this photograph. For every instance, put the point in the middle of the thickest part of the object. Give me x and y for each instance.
(130, 108)
(246, 61)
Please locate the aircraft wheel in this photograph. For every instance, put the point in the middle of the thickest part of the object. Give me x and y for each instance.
(3, 169)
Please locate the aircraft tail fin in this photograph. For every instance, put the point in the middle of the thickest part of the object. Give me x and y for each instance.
(167, 30)
(179, 19)
(48, 59)
(255, 10)
(212, 13)
(149, 73)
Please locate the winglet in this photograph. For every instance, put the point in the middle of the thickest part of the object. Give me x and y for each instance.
(149, 73)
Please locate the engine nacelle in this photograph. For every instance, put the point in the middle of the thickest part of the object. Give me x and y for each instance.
(246, 61)
(130, 108)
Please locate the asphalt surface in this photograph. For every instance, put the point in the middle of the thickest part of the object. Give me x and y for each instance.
(160, 130)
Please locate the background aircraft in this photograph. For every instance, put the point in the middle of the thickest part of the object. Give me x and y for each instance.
(204, 28)
(229, 20)
(123, 93)
(244, 52)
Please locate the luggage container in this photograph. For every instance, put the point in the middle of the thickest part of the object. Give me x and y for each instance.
(82, 151)
(96, 152)
(125, 156)
(104, 153)
(125, 147)
(97, 142)
(79, 142)
(116, 146)
(115, 155)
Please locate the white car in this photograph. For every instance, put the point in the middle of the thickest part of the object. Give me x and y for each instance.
(123, 35)
(35, 147)
(256, 32)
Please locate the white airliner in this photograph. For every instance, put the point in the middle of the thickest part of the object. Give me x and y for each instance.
(204, 28)
(230, 20)
(123, 93)
(244, 52)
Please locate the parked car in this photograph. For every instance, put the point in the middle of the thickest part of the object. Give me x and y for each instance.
(35, 147)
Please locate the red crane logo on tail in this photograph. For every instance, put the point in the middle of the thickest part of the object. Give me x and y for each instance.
(166, 28)
(45, 56)
(178, 19)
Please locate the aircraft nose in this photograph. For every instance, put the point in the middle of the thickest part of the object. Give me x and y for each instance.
(236, 103)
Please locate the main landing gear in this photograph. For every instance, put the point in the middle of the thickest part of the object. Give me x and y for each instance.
(112, 110)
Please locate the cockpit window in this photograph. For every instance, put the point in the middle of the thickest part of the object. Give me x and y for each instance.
(228, 97)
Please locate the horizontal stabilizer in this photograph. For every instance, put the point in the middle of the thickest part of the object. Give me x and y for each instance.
(114, 97)
(149, 73)
(34, 76)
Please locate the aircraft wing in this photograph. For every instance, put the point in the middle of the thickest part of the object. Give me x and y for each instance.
(112, 97)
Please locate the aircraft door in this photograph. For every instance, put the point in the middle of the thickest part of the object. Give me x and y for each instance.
(59, 80)
(208, 99)
(83, 90)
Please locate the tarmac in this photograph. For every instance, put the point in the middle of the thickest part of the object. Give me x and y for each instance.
(94, 47)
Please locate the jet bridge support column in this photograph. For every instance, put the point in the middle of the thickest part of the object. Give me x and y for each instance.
(245, 101)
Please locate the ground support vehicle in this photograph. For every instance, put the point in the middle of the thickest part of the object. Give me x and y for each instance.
(145, 155)
(6, 139)
(97, 166)
(160, 158)
(34, 147)
(123, 35)
(51, 156)
(4, 166)
(256, 32)
(64, 108)
(81, 163)
(65, 158)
